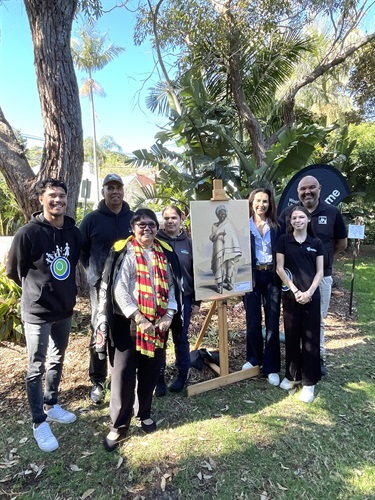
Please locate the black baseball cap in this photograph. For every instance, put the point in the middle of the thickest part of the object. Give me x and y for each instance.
(113, 178)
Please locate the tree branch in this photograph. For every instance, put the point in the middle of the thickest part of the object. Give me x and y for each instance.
(320, 70)
(170, 85)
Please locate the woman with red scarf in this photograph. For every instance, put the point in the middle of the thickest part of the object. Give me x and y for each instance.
(139, 299)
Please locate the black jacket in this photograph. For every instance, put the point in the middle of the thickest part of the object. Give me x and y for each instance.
(100, 229)
(108, 309)
(183, 248)
(42, 260)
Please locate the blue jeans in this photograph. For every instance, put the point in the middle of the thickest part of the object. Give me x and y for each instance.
(267, 294)
(51, 337)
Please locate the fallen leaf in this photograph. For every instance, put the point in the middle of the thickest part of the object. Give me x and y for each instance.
(23, 440)
(163, 483)
(249, 401)
(283, 467)
(264, 495)
(87, 493)
(212, 462)
(206, 465)
(40, 470)
(226, 408)
(238, 429)
(281, 487)
(200, 476)
(86, 454)
(120, 460)
(74, 468)
(166, 475)
(6, 478)
(206, 476)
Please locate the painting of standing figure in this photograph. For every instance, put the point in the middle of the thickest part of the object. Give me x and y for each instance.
(222, 258)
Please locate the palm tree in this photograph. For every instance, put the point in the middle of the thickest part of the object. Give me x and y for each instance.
(91, 52)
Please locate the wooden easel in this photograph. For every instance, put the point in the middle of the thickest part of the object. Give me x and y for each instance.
(224, 377)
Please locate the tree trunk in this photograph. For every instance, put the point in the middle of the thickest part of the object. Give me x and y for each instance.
(15, 168)
(51, 25)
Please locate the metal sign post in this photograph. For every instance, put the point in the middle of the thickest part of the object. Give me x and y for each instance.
(356, 232)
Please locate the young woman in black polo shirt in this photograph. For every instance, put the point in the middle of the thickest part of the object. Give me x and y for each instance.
(300, 267)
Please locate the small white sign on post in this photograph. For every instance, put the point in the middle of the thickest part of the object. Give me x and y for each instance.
(356, 231)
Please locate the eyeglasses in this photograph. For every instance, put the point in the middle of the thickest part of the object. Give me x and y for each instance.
(143, 225)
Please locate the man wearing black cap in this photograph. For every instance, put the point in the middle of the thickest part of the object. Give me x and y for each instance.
(100, 229)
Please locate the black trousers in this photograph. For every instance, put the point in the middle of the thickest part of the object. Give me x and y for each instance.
(131, 373)
(266, 294)
(302, 339)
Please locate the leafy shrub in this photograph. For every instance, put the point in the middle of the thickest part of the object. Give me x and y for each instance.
(10, 309)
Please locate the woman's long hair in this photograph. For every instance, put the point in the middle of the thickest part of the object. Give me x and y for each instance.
(301, 208)
(271, 212)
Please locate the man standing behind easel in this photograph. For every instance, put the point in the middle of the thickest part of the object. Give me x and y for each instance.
(329, 226)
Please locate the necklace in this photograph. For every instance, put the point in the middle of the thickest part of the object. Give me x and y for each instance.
(300, 240)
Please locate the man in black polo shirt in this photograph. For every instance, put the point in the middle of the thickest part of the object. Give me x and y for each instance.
(329, 226)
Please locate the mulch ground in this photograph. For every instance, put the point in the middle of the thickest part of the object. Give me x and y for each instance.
(341, 329)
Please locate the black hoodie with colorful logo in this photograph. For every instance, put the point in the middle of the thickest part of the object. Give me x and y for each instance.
(42, 260)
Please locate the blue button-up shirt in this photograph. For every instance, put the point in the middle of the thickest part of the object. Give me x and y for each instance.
(263, 250)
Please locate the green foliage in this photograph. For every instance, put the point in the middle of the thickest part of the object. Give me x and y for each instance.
(34, 156)
(211, 145)
(362, 80)
(11, 217)
(91, 8)
(10, 312)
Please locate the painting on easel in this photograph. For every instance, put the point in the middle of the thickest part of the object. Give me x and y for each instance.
(221, 248)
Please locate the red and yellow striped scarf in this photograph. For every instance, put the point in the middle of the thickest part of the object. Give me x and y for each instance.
(153, 307)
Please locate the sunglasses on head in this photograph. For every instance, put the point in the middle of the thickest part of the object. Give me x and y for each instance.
(143, 225)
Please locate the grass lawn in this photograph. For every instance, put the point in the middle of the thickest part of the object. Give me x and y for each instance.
(246, 441)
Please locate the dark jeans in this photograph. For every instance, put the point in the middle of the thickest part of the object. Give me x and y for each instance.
(267, 294)
(181, 341)
(98, 367)
(302, 339)
(131, 372)
(51, 337)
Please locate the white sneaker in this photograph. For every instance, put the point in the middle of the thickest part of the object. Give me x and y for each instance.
(307, 394)
(57, 414)
(288, 385)
(247, 365)
(44, 437)
(273, 379)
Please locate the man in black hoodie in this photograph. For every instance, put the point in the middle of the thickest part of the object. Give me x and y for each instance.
(42, 260)
(100, 229)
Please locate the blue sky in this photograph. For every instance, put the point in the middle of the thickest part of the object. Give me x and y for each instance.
(121, 114)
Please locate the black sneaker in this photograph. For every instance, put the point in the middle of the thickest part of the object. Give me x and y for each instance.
(179, 383)
(323, 369)
(97, 394)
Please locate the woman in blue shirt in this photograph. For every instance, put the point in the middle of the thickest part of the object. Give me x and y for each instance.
(266, 288)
